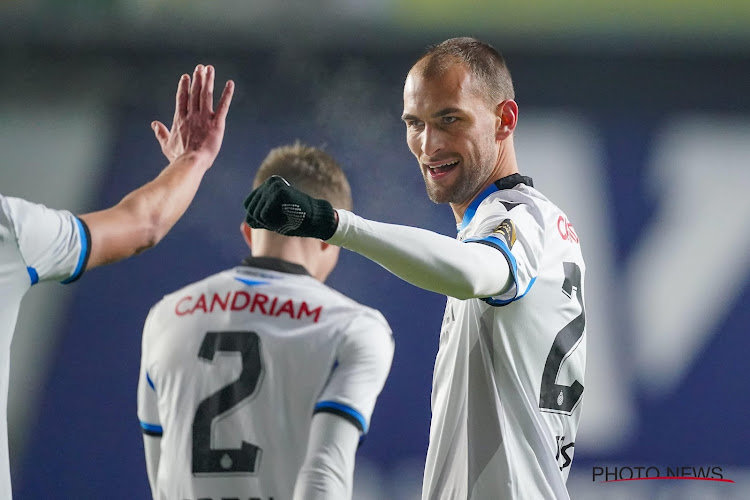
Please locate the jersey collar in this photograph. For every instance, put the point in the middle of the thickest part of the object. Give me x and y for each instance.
(512, 180)
(507, 182)
(274, 264)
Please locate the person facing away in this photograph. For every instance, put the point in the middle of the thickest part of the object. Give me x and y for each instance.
(41, 244)
(259, 381)
(508, 377)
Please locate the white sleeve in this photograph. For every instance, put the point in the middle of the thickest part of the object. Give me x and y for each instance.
(363, 360)
(148, 400)
(425, 259)
(152, 449)
(148, 409)
(54, 244)
(328, 469)
(518, 234)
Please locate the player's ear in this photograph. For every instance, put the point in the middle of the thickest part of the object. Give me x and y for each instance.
(506, 119)
(246, 233)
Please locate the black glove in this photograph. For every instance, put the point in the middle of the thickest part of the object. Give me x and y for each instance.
(277, 206)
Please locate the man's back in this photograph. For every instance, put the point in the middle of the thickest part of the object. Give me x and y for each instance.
(233, 368)
(508, 377)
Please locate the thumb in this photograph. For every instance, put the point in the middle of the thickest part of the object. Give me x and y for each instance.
(160, 131)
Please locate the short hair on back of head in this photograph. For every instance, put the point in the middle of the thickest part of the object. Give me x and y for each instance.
(482, 59)
(309, 169)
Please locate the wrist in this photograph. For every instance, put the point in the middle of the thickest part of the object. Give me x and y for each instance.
(197, 159)
(324, 219)
(339, 235)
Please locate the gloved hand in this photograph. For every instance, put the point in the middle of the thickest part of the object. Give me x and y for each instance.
(277, 206)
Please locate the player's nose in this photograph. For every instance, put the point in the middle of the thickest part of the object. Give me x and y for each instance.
(432, 141)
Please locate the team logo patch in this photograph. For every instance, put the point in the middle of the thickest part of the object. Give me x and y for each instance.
(507, 230)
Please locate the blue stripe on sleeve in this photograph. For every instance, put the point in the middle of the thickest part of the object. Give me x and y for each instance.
(503, 247)
(498, 303)
(33, 275)
(347, 410)
(152, 429)
(84, 252)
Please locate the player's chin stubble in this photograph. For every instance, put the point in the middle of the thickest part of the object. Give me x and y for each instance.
(464, 187)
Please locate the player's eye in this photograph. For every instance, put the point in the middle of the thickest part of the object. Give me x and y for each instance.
(414, 123)
(449, 119)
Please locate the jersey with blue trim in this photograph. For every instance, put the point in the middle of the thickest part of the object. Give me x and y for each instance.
(234, 367)
(508, 377)
(36, 244)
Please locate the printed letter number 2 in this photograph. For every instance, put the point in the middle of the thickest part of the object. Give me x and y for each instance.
(552, 396)
(207, 460)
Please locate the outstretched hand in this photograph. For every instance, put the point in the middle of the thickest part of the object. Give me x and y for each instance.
(279, 207)
(196, 127)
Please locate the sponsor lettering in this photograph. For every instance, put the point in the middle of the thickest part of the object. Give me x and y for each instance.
(565, 228)
(564, 452)
(240, 300)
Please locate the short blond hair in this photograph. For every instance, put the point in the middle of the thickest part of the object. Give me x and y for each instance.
(309, 169)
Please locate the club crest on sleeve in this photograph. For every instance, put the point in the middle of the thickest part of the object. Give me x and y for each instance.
(507, 230)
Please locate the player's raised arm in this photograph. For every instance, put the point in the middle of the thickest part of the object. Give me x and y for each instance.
(423, 258)
(144, 216)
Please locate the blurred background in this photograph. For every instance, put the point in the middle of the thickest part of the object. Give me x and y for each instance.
(634, 119)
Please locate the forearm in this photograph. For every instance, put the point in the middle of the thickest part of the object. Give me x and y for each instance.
(328, 470)
(152, 449)
(144, 216)
(161, 202)
(424, 258)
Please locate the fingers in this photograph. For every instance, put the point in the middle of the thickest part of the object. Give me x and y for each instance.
(255, 224)
(207, 93)
(264, 204)
(251, 202)
(195, 89)
(200, 96)
(181, 100)
(226, 99)
(161, 132)
(256, 205)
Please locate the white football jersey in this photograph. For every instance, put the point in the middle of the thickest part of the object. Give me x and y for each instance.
(233, 368)
(508, 377)
(36, 244)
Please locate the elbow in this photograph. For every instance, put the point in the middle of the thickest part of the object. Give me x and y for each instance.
(153, 231)
(143, 222)
(318, 479)
(464, 288)
(149, 241)
(463, 291)
(479, 287)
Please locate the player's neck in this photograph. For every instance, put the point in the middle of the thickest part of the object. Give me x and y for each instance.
(280, 247)
(503, 168)
(504, 165)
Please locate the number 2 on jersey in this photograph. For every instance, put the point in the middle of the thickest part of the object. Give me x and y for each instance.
(207, 460)
(553, 396)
